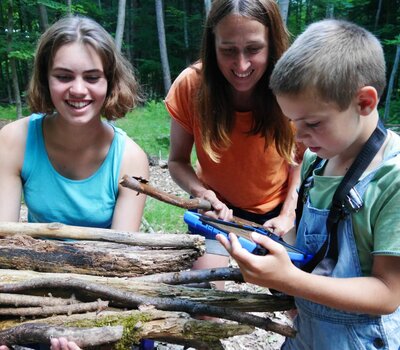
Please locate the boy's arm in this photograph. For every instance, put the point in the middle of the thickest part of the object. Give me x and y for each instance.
(377, 294)
(285, 221)
(129, 206)
(12, 150)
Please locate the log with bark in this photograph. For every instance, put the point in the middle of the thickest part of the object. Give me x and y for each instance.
(122, 293)
(244, 301)
(60, 231)
(114, 254)
(122, 272)
(124, 328)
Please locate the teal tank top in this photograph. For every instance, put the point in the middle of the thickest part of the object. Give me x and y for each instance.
(51, 197)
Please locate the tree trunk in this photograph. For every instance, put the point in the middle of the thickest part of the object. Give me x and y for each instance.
(309, 15)
(185, 31)
(69, 7)
(44, 19)
(378, 13)
(8, 80)
(163, 45)
(14, 76)
(284, 9)
(119, 34)
(391, 84)
(330, 9)
(207, 6)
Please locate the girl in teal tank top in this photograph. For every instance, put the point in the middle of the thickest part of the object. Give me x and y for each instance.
(64, 158)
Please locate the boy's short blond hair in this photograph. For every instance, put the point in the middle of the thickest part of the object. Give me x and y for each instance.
(333, 59)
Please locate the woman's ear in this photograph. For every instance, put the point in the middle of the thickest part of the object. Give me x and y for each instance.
(367, 100)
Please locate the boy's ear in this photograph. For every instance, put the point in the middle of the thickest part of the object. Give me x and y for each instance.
(367, 100)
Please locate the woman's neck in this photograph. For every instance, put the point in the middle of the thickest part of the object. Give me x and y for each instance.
(243, 101)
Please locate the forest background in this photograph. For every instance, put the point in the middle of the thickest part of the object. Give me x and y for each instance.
(160, 38)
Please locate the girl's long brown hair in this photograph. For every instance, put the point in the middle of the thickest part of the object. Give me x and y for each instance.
(215, 103)
(123, 90)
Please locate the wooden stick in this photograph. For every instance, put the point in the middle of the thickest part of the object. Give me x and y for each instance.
(131, 300)
(245, 301)
(58, 230)
(194, 276)
(141, 186)
(30, 300)
(55, 310)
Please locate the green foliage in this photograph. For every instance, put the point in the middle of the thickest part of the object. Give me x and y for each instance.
(164, 218)
(394, 116)
(21, 55)
(54, 5)
(8, 112)
(148, 126)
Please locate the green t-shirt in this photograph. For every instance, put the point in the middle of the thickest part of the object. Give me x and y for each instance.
(377, 225)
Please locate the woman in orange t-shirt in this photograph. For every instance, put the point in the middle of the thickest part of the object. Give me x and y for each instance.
(245, 145)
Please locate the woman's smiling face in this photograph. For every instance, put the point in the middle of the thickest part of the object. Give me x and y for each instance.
(241, 46)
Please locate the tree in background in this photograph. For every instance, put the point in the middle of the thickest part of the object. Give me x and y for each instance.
(390, 86)
(138, 35)
(12, 59)
(120, 24)
(163, 45)
(284, 8)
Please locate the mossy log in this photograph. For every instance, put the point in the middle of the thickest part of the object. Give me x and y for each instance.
(122, 329)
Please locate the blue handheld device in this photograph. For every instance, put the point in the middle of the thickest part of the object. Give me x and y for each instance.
(209, 228)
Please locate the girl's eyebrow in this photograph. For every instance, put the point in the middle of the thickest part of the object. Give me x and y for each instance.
(70, 71)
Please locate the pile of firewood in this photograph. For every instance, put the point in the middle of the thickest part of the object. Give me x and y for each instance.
(109, 288)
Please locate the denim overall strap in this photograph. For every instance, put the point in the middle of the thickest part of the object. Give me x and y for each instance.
(322, 327)
(326, 258)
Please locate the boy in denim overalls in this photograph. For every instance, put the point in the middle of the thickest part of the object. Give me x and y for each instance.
(329, 83)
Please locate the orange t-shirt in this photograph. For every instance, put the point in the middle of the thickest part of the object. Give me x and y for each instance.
(248, 176)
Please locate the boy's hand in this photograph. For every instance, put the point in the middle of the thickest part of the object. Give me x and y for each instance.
(268, 271)
(280, 225)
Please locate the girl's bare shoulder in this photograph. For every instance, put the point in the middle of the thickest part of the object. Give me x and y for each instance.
(14, 133)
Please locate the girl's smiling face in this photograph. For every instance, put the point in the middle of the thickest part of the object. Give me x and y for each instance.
(78, 86)
(241, 46)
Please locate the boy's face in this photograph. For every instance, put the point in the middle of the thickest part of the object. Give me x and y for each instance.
(322, 127)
